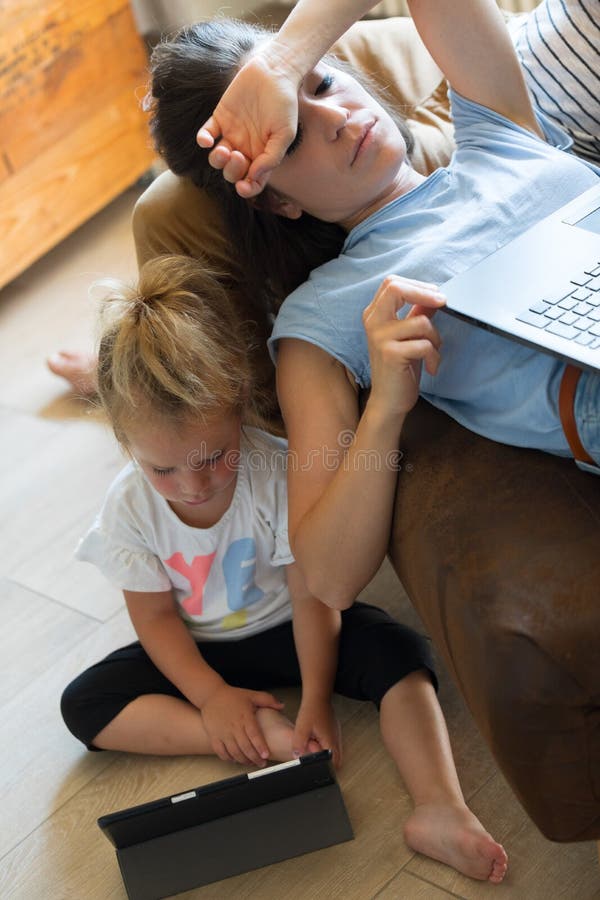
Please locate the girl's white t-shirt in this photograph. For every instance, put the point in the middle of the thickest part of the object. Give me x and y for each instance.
(229, 581)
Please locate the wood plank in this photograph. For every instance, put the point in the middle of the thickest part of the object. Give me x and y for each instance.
(22, 436)
(409, 887)
(538, 868)
(34, 33)
(51, 307)
(5, 168)
(75, 178)
(79, 586)
(36, 633)
(50, 100)
(43, 765)
(75, 466)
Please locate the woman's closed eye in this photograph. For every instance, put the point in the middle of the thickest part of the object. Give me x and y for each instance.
(325, 84)
(163, 472)
(296, 142)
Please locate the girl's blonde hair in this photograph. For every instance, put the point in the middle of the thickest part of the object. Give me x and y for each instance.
(175, 346)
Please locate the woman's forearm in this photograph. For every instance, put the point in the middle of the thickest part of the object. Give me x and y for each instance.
(311, 28)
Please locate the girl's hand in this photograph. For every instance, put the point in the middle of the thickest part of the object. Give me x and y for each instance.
(229, 717)
(398, 347)
(317, 728)
(255, 121)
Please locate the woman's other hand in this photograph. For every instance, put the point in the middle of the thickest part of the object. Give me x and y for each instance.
(399, 347)
(255, 121)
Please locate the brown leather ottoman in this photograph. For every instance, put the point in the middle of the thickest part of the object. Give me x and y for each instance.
(499, 550)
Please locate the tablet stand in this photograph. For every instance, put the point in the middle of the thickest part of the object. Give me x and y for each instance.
(201, 854)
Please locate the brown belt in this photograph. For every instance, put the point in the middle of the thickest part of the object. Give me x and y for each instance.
(566, 399)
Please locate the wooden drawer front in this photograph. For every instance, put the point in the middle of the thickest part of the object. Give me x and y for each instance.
(72, 131)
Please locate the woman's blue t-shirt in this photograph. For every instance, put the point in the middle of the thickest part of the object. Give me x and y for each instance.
(501, 180)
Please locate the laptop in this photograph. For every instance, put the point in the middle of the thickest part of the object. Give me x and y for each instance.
(228, 827)
(543, 287)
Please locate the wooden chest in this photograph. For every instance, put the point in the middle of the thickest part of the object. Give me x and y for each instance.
(72, 131)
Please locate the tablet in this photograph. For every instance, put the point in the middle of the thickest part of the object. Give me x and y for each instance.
(227, 827)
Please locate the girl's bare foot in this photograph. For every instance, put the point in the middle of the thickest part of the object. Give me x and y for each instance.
(453, 835)
(79, 369)
(278, 732)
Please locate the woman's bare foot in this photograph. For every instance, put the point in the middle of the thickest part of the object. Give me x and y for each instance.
(79, 369)
(453, 835)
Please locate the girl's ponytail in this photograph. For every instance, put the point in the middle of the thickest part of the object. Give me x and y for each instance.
(176, 347)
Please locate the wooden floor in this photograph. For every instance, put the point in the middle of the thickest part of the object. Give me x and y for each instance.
(59, 615)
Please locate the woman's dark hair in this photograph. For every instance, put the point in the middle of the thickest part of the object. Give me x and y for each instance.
(189, 74)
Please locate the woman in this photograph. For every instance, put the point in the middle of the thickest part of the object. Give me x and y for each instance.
(348, 168)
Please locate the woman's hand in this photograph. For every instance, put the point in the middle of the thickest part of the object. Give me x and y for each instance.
(257, 117)
(317, 728)
(255, 121)
(399, 347)
(229, 716)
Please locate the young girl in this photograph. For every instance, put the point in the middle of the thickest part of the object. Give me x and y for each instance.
(194, 530)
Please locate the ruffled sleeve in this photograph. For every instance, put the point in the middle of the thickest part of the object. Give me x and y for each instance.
(116, 544)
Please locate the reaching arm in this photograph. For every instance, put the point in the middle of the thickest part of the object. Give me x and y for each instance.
(341, 487)
(316, 635)
(228, 712)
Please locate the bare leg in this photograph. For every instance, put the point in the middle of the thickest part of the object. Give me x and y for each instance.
(79, 369)
(166, 726)
(441, 826)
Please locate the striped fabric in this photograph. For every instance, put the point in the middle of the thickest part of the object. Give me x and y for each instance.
(559, 48)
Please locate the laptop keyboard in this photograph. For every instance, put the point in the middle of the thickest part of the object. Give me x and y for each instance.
(572, 311)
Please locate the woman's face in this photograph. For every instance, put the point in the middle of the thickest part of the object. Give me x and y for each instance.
(348, 157)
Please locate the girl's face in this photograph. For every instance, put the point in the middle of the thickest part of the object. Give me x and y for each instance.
(193, 466)
(348, 158)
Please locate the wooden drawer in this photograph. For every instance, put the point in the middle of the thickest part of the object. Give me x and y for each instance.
(72, 131)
